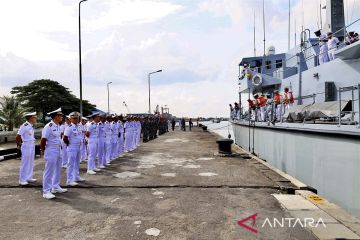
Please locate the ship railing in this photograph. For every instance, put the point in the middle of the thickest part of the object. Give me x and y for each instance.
(305, 48)
(342, 44)
(275, 111)
(353, 89)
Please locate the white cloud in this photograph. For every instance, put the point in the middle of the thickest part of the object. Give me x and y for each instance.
(127, 12)
(27, 24)
(125, 40)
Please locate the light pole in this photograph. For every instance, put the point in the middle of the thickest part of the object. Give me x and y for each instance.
(108, 96)
(149, 87)
(80, 68)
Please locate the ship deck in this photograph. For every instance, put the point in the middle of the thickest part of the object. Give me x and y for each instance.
(352, 131)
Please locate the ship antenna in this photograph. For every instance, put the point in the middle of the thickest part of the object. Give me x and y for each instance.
(264, 24)
(254, 35)
(320, 16)
(302, 13)
(289, 25)
(295, 32)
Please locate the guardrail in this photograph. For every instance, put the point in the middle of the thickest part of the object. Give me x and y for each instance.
(277, 110)
(353, 100)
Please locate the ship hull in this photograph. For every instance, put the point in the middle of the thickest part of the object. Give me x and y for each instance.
(325, 159)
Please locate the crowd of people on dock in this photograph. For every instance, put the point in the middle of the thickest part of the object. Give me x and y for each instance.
(98, 139)
(264, 108)
(182, 124)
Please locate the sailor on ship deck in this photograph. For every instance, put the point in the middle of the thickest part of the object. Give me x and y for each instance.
(333, 43)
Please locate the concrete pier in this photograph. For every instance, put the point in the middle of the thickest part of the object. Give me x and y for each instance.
(175, 187)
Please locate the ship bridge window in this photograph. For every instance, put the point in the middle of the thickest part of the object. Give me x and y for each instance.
(279, 64)
(268, 64)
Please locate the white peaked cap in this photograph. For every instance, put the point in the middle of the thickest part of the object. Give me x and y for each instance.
(58, 111)
(30, 114)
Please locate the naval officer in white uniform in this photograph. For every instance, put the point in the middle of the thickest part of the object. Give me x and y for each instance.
(333, 43)
(323, 54)
(73, 138)
(92, 133)
(25, 141)
(50, 147)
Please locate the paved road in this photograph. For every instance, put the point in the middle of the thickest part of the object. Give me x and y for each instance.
(173, 187)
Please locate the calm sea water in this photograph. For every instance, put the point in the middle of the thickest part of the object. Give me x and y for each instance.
(223, 128)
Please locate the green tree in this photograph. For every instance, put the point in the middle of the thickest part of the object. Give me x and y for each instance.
(11, 112)
(46, 95)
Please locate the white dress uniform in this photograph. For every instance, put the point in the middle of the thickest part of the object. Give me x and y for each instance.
(114, 139)
(323, 54)
(52, 155)
(127, 142)
(268, 109)
(87, 125)
(102, 146)
(74, 134)
(108, 136)
(133, 135)
(26, 132)
(64, 157)
(332, 46)
(93, 141)
(83, 147)
(120, 139)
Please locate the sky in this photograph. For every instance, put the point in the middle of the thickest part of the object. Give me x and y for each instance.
(197, 43)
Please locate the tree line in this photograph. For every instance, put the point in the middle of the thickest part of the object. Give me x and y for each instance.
(42, 96)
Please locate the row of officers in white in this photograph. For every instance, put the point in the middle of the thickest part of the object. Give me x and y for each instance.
(99, 139)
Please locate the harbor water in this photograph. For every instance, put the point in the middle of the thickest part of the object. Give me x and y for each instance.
(222, 128)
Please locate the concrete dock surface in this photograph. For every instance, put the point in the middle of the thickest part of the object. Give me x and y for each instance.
(174, 187)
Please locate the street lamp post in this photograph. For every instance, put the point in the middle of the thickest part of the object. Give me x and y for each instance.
(149, 87)
(80, 67)
(108, 92)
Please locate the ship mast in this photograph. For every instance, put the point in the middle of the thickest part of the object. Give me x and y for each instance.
(295, 31)
(264, 25)
(320, 16)
(289, 26)
(254, 36)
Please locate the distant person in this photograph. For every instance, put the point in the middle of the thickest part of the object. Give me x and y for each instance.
(183, 124)
(277, 105)
(323, 54)
(64, 156)
(245, 73)
(25, 140)
(236, 108)
(231, 111)
(197, 122)
(173, 124)
(190, 124)
(268, 107)
(351, 38)
(288, 97)
(333, 43)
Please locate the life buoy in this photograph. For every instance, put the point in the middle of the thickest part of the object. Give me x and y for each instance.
(257, 80)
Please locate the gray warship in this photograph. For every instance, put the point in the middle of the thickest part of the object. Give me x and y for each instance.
(317, 139)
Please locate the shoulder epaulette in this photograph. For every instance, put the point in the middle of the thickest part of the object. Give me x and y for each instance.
(25, 124)
(92, 123)
(50, 124)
